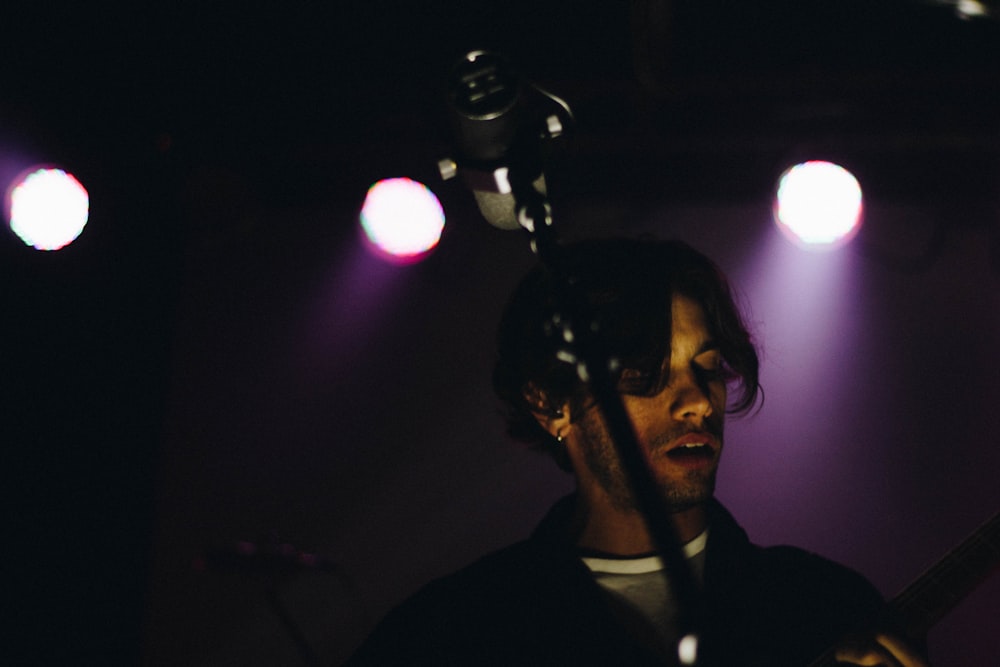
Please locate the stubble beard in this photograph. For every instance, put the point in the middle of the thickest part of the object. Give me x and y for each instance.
(601, 456)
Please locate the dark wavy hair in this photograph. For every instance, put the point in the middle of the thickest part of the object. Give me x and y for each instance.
(625, 287)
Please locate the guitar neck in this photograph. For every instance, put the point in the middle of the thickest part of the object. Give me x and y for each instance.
(939, 590)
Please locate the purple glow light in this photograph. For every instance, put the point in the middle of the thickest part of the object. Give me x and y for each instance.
(48, 209)
(818, 205)
(402, 219)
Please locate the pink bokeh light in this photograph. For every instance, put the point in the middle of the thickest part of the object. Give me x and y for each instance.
(402, 220)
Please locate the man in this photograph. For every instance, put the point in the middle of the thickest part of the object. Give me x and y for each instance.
(588, 586)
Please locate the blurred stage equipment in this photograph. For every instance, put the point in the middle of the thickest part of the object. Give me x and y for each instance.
(272, 560)
(262, 558)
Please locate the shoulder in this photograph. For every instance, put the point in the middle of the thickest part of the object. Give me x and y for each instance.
(461, 615)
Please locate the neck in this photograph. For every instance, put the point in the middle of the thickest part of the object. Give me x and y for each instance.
(602, 527)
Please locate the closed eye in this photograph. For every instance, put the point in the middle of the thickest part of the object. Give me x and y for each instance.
(719, 373)
(710, 367)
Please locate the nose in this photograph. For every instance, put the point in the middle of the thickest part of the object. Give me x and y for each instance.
(690, 399)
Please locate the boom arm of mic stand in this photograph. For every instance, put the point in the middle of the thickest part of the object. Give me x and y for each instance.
(594, 363)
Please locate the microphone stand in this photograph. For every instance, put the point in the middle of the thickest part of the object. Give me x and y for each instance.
(582, 345)
(503, 154)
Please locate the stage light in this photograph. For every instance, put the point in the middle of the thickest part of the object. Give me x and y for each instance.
(970, 9)
(402, 219)
(48, 208)
(818, 205)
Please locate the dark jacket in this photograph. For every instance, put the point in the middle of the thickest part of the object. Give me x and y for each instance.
(535, 603)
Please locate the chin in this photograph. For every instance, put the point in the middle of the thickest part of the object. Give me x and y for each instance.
(679, 500)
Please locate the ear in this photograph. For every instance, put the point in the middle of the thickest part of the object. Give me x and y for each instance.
(555, 420)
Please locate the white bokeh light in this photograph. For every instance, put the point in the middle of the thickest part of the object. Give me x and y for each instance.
(402, 219)
(48, 209)
(970, 9)
(818, 204)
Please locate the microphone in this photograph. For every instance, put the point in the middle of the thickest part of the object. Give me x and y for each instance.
(501, 129)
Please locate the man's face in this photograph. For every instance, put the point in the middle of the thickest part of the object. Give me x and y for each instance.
(679, 428)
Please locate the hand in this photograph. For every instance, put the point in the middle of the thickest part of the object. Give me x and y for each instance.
(881, 649)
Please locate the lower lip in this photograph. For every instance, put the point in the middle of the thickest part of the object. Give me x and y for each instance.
(692, 461)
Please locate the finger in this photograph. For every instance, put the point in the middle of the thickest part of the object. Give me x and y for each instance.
(903, 652)
(870, 655)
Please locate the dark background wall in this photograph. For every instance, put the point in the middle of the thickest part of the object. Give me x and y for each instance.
(217, 359)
